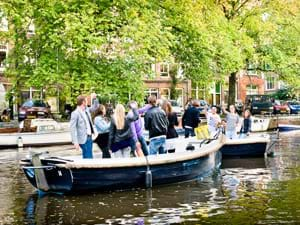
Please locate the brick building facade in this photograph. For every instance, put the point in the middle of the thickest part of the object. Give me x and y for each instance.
(160, 84)
(254, 83)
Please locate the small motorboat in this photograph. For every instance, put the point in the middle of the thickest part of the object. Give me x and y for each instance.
(288, 127)
(192, 159)
(35, 132)
(260, 124)
(254, 145)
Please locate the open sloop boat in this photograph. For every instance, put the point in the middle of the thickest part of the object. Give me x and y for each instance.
(192, 159)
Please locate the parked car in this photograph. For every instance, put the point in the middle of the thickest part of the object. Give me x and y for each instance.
(202, 106)
(239, 106)
(280, 107)
(34, 109)
(259, 104)
(294, 107)
(176, 107)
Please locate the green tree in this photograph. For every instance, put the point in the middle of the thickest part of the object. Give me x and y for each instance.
(81, 45)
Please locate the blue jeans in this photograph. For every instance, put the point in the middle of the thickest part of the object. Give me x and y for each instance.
(188, 132)
(144, 146)
(231, 134)
(87, 148)
(158, 144)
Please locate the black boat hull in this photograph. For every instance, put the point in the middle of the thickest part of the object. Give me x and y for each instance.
(76, 180)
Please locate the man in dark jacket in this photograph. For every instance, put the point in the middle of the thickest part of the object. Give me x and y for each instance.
(156, 122)
(191, 119)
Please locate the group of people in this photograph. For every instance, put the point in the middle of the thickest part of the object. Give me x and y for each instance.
(122, 135)
(191, 120)
(230, 124)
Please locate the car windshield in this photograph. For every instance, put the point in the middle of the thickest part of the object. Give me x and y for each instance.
(174, 103)
(294, 103)
(203, 103)
(34, 103)
(259, 98)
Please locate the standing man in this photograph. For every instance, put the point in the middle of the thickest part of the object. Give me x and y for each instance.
(156, 122)
(82, 128)
(191, 119)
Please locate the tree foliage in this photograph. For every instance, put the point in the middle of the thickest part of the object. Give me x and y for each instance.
(107, 46)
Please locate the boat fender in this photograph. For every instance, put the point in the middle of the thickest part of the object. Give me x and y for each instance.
(20, 142)
(190, 147)
(148, 175)
(148, 179)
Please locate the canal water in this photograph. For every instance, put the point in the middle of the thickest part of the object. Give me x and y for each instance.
(243, 191)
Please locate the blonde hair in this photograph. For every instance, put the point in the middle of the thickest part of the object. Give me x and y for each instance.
(119, 116)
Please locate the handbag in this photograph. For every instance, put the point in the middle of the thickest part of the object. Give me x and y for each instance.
(202, 132)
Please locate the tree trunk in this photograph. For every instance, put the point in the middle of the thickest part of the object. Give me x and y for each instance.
(232, 89)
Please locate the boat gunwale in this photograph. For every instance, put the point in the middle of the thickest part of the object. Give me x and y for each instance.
(153, 160)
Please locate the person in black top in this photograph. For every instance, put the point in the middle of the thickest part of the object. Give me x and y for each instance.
(157, 123)
(246, 125)
(172, 118)
(191, 119)
(120, 134)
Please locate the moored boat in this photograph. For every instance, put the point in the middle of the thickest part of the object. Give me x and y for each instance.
(288, 127)
(260, 124)
(38, 132)
(254, 145)
(192, 159)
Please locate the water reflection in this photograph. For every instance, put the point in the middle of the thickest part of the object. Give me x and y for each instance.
(245, 191)
(164, 205)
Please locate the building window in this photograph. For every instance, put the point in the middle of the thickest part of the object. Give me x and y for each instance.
(270, 83)
(164, 70)
(3, 23)
(2, 61)
(149, 92)
(180, 96)
(252, 90)
(165, 93)
(31, 29)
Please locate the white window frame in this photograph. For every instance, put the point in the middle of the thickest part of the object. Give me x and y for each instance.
(270, 83)
(163, 96)
(252, 72)
(164, 70)
(3, 23)
(151, 91)
(180, 96)
(3, 48)
(31, 28)
(251, 91)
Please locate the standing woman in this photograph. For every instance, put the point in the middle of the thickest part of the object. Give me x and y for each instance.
(246, 125)
(172, 118)
(232, 121)
(102, 126)
(120, 135)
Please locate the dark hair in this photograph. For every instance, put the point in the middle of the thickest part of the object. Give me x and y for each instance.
(80, 99)
(247, 110)
(152, 99)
